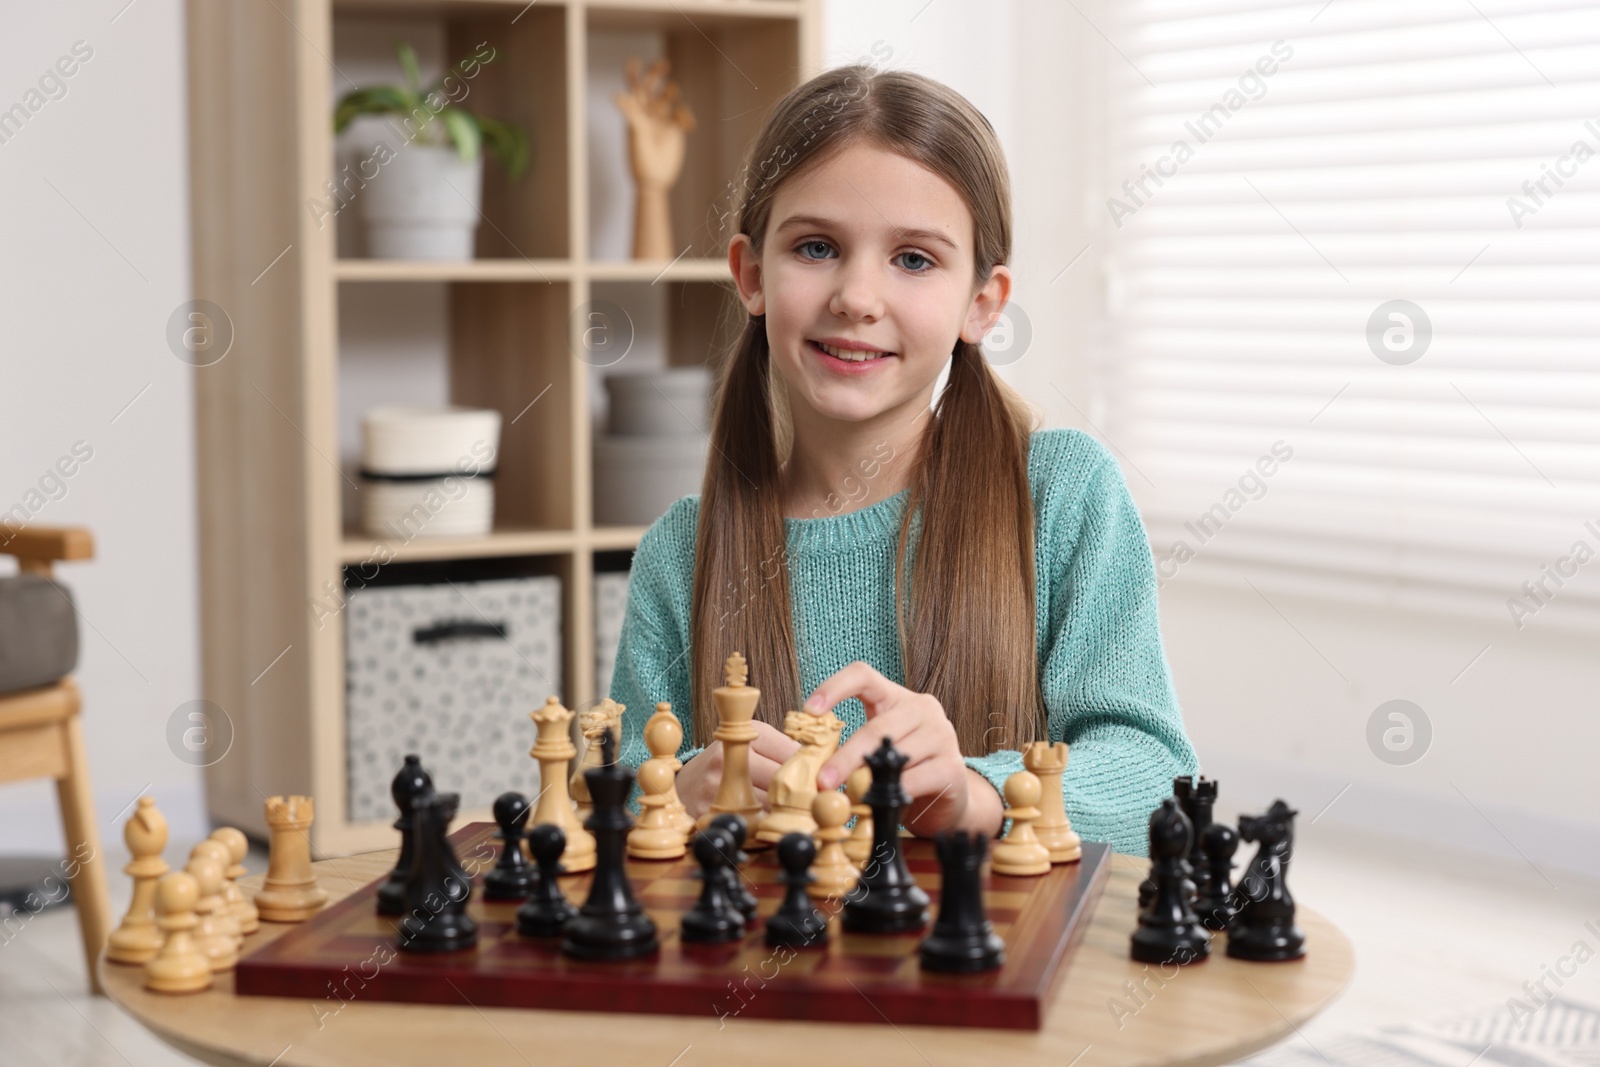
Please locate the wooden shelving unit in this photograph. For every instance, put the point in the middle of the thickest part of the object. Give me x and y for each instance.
(274, 535)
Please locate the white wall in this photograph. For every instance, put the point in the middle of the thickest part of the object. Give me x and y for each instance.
(94, 259)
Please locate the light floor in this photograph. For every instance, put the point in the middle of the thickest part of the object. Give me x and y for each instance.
(1437, 936)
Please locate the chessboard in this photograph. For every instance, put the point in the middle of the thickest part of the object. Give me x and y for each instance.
(348, 952)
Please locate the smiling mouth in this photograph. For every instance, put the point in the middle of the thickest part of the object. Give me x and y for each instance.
(850, 355)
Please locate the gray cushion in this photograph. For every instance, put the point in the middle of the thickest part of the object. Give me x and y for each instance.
(38, 632)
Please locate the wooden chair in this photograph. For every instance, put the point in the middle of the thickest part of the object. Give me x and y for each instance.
(40, 737)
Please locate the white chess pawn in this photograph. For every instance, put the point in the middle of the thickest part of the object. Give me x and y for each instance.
(238, 903)
(834, 873)
(859, 845)
(1019, 852)
(223, 909)
(656, 835)
(663, 733)
(180, 967)
(215, 940)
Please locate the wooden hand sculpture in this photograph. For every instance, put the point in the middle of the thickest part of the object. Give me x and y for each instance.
(657, 124)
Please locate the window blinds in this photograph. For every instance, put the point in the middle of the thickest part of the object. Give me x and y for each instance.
(1353, 296)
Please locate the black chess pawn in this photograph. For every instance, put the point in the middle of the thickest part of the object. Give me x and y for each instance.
(1215, 905)
(611, 925)
(1264, 928)
(1169, 931)
(743, 898)
(963, 940)
(715, 918)
(547, 908)
(886, 899)
(797, 923)
(436, 917)
(512, 875)
(411, 782)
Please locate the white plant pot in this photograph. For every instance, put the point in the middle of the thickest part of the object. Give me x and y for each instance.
(424, 204)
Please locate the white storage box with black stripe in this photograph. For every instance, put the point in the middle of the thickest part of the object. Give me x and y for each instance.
(447, 661)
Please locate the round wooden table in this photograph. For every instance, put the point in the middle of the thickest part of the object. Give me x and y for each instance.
(1108, 1012)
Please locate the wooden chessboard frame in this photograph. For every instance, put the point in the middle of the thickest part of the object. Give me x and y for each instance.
(349, 951)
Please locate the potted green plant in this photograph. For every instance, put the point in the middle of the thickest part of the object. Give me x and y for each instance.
(423, 200)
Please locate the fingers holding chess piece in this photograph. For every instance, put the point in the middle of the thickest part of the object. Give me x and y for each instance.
(1020, 852)
(239, 905)
(1053, 828)
(137, 939)
(180, 966)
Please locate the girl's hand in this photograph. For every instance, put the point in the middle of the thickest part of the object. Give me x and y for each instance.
(700, 777)
(945, 792)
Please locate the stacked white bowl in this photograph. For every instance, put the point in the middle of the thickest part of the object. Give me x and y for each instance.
(656, 449)
(428, 472)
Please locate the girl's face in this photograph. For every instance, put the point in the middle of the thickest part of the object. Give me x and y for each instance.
(871, 253)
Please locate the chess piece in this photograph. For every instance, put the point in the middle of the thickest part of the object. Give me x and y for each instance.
(858, 846)
(715, 917)
(606, 715)
(411, 782)
(1215, 904)
(554, 751)
(290, 893)
(1053, 828)
(963, 940)
(1168, 930)
(658, 125)
(213, 936)
(137, 940)
(221, 910)
(547, 908)
(1020, 851)
(797, 923)
(180, 966)
(1264, 928)
(663, 734)
(657, 835)
(736, 706)
(437, 888)
(1198, 798)
(611, 925)
(512, 876)
(794, 785)
(743, 898)
(1182, 790)
(832, 871)
(890, 900)
(239, 905)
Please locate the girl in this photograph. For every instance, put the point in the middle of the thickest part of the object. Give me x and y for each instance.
(946, 577)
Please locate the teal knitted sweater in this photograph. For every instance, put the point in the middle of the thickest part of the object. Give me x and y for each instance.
(1102, 672)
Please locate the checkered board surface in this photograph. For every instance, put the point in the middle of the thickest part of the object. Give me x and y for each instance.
(348, 951)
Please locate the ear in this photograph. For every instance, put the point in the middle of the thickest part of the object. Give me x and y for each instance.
(745, 266)
(987, 303)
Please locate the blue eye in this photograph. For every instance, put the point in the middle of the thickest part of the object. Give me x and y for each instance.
(925, 260)
(811, 244)
(925, 267)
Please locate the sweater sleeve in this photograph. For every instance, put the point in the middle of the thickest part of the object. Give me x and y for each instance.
(652, 651)
(1107, 688)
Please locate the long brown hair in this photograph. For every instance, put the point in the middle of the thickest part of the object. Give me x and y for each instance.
(967, 628)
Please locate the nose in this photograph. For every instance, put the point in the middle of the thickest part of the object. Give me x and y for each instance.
(858, 291)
